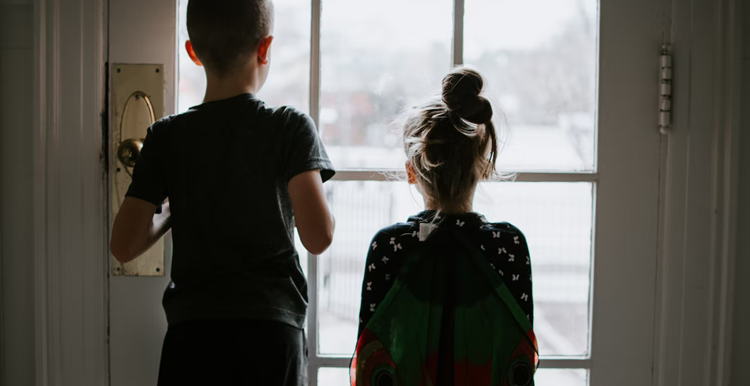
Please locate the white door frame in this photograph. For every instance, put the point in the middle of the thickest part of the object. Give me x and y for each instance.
(698, 192)
(69, 193)
(70, 218)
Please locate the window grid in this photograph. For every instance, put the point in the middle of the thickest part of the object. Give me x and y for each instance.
(458, 32)
(385, 175)
(316, 360)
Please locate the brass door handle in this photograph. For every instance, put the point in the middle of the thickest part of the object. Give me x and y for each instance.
(128, 151)
(137, 99)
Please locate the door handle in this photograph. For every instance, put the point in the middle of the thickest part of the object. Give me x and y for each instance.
(128, 151)
(137, 100)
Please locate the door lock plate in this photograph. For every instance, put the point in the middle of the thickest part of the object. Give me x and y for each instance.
(137, 101)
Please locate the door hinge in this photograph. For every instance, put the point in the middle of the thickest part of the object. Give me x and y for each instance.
(665, 88)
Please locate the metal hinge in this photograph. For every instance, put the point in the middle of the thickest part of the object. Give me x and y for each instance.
(665, 88)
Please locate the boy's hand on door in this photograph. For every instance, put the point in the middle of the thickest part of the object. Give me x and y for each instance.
(137, 228)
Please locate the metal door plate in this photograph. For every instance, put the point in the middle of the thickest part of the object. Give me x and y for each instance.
(137, 98)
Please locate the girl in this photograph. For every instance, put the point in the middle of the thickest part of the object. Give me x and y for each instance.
(446, 296)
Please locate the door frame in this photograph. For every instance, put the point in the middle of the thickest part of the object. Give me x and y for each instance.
(69, 193)
(698, 195)
(71, 223)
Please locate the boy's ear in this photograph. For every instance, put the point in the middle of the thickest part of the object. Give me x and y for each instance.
(411, 177)
(264, 50)
(191, 53)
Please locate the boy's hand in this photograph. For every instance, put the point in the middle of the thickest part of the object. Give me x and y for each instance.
(137, 228)
(311, 213)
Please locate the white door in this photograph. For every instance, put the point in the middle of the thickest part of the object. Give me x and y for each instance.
(577, 81)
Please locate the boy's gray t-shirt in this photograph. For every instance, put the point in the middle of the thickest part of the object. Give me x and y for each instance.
(224, 166)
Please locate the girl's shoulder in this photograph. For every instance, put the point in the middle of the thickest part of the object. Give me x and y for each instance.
(394, 240)
(502, 227)
(503, 233)
(401, 229)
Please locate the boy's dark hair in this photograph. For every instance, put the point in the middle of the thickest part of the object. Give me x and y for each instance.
(223, 32)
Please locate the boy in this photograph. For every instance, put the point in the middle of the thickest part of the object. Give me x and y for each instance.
(239, 175)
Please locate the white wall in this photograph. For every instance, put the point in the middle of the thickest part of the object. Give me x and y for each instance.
(740, 373)
(16, 242)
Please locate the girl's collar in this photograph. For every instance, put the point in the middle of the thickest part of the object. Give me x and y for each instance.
(471, 219)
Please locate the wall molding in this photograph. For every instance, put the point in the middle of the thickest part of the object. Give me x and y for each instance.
(70, 254)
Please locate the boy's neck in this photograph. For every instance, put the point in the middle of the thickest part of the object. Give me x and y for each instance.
(231, 85)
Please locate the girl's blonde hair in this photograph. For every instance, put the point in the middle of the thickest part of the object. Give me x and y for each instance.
(451, 141)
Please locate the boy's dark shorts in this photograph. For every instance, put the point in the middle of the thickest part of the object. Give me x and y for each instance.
(234, 352)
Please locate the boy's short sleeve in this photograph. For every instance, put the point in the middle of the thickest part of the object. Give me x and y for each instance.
(304, 151)
(148, 179)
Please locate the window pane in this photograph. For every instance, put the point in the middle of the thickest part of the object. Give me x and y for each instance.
(192, 79)
(332, 376)
(328, 376)
(541, 69)
(301, 251)
(555, 217)
(376, 58)
(289, 78)
(361, 209)
(561, 377)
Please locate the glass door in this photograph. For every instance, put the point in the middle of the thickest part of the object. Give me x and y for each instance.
(575, 81)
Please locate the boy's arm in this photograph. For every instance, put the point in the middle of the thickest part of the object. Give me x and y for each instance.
(312, 216)
(137, 228)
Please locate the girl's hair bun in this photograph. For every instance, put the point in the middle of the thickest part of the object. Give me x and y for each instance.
(461, 89)
(450, 142)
